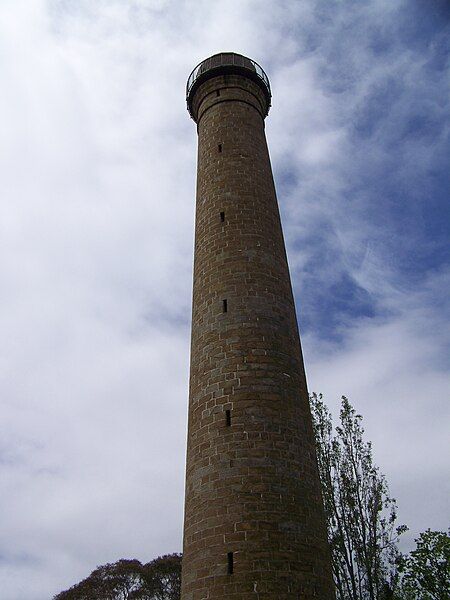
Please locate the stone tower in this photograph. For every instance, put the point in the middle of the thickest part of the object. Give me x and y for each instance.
(254, 524)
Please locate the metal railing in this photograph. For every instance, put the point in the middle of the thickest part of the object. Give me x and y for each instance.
(222, 60)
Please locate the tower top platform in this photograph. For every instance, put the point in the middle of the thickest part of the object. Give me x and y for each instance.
(226, 63)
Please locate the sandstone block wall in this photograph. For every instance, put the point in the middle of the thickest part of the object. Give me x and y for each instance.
(254, 527)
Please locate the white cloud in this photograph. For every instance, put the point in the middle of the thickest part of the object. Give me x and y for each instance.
(393, 371)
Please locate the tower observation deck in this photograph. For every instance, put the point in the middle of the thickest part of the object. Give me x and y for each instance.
(254, 527)
(227, 63)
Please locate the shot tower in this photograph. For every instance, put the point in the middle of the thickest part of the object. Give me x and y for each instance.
(254, 525)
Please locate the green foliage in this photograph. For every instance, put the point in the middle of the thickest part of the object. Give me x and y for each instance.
(426, 570)
(360, 513)
(159, 579)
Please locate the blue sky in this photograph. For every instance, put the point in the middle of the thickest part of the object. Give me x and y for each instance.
(393, 172)
(97, 177)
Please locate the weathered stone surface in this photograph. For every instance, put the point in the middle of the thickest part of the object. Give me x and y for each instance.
(252, 485)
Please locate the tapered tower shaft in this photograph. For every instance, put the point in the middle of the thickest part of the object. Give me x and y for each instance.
(254, 525)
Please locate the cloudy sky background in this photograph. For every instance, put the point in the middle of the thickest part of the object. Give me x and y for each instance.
(97, 185)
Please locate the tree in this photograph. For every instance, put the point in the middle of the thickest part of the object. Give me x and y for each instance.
(159, 579)
(162, 578)
(359, 510)
(426, 570)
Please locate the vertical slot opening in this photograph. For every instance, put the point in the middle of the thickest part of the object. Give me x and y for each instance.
(228, 417)
(225, 306)
(220, 147)
(230, 563)
(222, 217)
(217, 92)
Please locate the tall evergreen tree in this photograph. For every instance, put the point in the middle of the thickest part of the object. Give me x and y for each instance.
(361, 514)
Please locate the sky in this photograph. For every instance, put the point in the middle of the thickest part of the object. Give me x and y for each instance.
(97, 187)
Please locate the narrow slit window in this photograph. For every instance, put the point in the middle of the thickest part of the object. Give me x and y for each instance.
(225, 306)
(220, 147)
(228, 417)
(217, 92)
(230, 563)
(222, 217)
